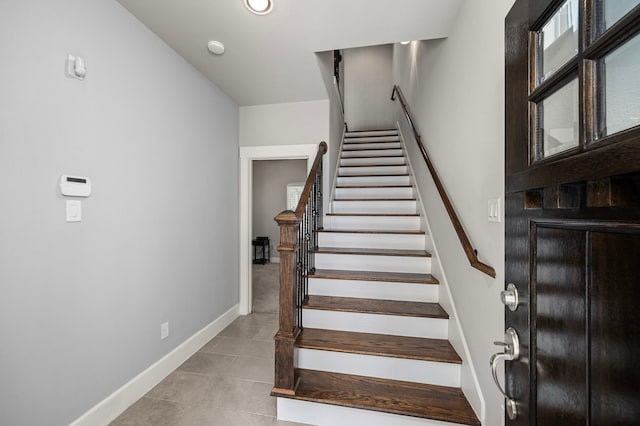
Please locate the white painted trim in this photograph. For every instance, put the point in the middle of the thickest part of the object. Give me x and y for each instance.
(474, 396)
(115, 404)
(247, 155)
(328, 204)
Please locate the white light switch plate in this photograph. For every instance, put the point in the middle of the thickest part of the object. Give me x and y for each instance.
(494, 210)
(74, 211)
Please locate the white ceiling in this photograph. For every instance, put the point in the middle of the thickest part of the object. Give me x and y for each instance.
(270, 59)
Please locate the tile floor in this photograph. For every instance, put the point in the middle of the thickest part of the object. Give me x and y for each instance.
(226, 383)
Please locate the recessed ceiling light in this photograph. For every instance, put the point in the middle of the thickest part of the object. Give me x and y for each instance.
(259, 7)
(405, 42)
(215, 47)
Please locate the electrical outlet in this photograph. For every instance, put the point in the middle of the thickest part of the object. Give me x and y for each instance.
(494, 213)
(164, 331)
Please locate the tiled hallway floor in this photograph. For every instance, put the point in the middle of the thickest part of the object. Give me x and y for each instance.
(226, 383)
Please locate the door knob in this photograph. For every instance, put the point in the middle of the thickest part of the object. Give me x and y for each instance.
(509, 297)
(511, 352)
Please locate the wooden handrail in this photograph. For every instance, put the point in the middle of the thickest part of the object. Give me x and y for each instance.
(304, 197)
(455, 221)
(295, 265)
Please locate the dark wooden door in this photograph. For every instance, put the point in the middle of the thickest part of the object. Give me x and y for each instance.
(573, 210)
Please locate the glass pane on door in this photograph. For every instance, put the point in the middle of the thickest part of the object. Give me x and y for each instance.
(621, 69)
(616, 9)
(558, 120)
(558, 40)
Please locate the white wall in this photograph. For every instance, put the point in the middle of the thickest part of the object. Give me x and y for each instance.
(82, 303)
(297, 123)
(455, 88)
(367, 87)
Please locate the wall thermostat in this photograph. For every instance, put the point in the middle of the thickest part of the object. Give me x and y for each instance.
(75, 186)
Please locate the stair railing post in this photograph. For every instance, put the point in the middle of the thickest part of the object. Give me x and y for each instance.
(288, 330)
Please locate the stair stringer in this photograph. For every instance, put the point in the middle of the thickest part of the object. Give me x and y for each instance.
(470, 384)
(327, 204)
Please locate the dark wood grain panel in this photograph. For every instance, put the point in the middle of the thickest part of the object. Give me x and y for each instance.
(389, 396)
(390, 277)
(374, 252)
(376, 306)
(615, 329)
(436, 350)
(560, 345)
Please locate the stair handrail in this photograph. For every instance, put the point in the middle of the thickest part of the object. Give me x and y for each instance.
(298, 242)
(455, 221)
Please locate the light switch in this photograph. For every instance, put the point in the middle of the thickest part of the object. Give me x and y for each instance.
(74, 211)
(494, 213)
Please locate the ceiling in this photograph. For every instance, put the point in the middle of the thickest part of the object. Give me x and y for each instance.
(270, 59)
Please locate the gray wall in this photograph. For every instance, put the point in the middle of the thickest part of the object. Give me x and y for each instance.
(336, 114)
(81, 303)
(270, 179)
(367, 87)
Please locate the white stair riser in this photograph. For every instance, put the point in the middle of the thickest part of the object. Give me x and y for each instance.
(408, 292)
(378, 138)
(360, 262)
(391, 192)
(383, 161)
(374, 170)
(382, 241)
(390, 206)
(372, 153)
(314, 413)
(433, 328)
(373, 180)
(372, 145)
(388, 132)
(408, 370)
(380, 223)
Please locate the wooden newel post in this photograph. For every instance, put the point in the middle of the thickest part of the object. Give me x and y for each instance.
(288, 330)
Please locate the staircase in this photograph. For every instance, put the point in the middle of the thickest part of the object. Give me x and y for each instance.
(374, 347)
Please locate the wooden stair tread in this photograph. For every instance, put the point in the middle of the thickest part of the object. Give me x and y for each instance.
(376, 165)
(373, 214)
(390, 396)
(423, 349)
(373, 186)
(392, 277)
(354, 143)
(372, 157)
(375, 199)
(373, 252)
(376, 175)
(376, 306)
(371, 231)
(371, 149)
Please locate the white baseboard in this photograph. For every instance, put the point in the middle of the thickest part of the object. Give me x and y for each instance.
(115, 404)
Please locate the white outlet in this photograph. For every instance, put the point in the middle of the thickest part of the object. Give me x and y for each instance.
(164, 331)
(494, 213)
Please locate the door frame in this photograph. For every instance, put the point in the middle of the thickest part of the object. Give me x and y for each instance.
(247, 155)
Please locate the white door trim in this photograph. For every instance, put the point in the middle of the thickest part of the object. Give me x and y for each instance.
(247, 155)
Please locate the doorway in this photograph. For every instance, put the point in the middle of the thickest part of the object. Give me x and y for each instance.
(249, 154)
(270, 183)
